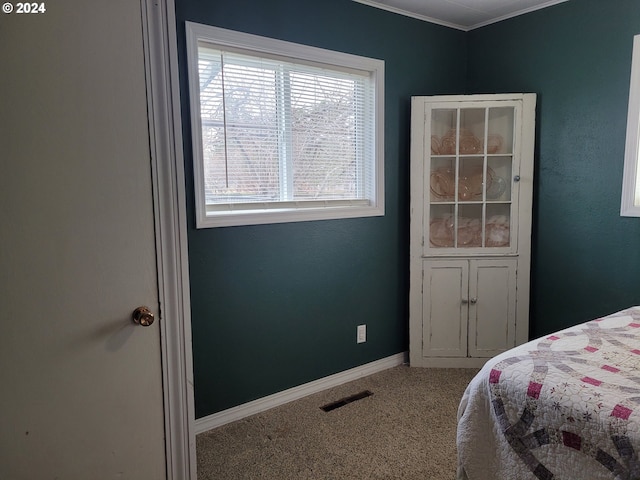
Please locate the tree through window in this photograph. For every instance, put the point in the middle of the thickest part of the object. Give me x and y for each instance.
(279, 134)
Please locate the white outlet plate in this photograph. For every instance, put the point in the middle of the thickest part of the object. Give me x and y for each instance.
(362, 333)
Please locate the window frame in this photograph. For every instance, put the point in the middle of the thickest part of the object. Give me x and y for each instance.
(290, 211)
(630, 205)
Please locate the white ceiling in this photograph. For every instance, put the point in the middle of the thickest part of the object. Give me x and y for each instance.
(461, 14)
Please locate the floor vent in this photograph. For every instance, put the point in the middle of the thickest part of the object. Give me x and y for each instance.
(341, 403)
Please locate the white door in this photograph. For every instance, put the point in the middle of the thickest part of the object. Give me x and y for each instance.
(81, 385)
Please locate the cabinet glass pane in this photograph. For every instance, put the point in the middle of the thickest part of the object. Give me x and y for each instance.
(471, 132)
(497, 228)
(500, 131)
(499, 172)
(443, 122)
(441, 226)
(471, 179)
(469, 226)
(442, 179)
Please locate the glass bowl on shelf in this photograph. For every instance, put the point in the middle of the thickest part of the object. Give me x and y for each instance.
(469, 143)
(494, 143)
(469, 232)
(496, 188)
(441, 231)
(470, 184)
(497, 231)
(443, 183)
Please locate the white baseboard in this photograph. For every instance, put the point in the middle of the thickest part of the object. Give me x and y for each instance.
(251, 408)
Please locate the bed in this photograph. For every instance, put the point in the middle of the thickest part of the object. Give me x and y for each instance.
(564, 406)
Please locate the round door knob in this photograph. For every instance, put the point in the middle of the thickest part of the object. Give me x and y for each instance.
(474, 300)
(143, 316)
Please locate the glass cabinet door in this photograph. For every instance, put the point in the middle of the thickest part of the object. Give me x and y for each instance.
(470, 169)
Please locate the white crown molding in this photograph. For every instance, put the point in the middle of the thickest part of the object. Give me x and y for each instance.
(516, 14)
(464, 28)
(407, 13)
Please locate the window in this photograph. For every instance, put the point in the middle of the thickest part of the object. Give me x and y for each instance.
(282, 132)
(631, 177)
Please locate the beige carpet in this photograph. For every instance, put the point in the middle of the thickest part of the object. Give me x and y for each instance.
(405, 430)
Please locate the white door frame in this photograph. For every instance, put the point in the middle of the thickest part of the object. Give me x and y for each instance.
(167, 166)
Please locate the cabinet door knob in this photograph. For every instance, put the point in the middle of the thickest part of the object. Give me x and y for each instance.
(474, 300)
(516, 178)
(464, 300)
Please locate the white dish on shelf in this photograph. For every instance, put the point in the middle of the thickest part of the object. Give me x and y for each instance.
(496, 188)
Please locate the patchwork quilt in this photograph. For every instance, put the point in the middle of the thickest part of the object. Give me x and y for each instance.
(565, 406)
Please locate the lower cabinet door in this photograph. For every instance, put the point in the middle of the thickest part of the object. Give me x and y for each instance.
(468, 307)
(445, 287)
(492, 306)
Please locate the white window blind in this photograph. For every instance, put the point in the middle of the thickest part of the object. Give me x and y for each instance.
(283, 134)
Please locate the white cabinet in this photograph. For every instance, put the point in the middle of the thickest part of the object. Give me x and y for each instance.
(471, 198)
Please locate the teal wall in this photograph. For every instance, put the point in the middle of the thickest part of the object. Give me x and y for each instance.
(276, 306)
(577, 57)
